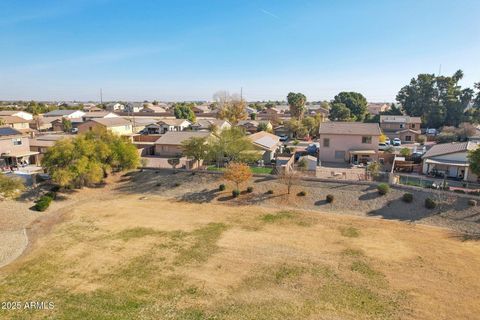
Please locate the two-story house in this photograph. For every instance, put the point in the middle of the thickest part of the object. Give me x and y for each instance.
(15, 149)
(115, 125)
(352, 142)
(406, 128)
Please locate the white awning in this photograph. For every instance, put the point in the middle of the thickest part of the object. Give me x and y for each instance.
(448, 162)
(362, 152)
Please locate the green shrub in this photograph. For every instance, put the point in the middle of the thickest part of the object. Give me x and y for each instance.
(459, 191)
(52, 195)
(250, 189)
(177, 184)
(302, 194)
(472, 202)
(407, 197)
(383, 188)
(43, 203)
(430, 203)
(329, 198)
(235, 193)
(269, 191)
(221, 187)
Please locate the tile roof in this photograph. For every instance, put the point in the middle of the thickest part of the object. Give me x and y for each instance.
(350, 128)
(12, 119)
(112, 122)
(453, 147)
(400, 119)
(59, 112)
(265, 140)
(177, 137)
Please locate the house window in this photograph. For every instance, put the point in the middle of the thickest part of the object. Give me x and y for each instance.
(402, 126)
(367, 139)
(340, 155)
(326, 142)
(408, 138)
(413, 125)
(17, 141)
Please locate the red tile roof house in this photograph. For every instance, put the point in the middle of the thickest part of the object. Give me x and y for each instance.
(450, 159)
(349, 142)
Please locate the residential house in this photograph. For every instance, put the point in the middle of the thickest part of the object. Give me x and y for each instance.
(208, 124)
(201, 109)
(170, 144)
(116, 125)
(140, 124)
(133, 107)
(91, 108)
(15, 122)
(351, 142)
(114, 106)
(153, 109)
(41, 123)
(42, 143)
(313, 110)
(15, 113)
(376, 107)
(15, 149)
(166, 125)
(406, 128)
(451, 160)
(268, 144)
(252, 126)
(98, 115)
(68, 114)
(250, 110)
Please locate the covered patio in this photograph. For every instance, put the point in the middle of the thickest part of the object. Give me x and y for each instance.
(362, 156)
(448, 168)
(18, 159)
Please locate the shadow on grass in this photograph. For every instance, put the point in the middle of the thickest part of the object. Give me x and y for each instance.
(463, 237)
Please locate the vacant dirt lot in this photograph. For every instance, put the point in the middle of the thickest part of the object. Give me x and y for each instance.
(145, 249)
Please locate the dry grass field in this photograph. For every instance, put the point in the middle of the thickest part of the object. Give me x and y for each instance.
(127, 256)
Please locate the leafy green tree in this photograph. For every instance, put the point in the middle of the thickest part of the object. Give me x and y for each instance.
(474, 161)
(263, 126)
(233, 111)
(196, 148)
(405, 152)
(232, 145)
(296, 127)
(355, 102)
(87, 159)
(439, 100)
(339, 112)
(297, 101)
(312, 125)
(67, 125)
(184, 111)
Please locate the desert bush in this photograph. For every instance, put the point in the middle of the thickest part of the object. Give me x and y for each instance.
(43, 203)
(459, 191)
(383, 188)
(407, 197)
(472, 202)
(329, 198)
(9, 186)
(269, 191)
(177, 184)
(221, 187)
(430, 203)
(235, 193)
(302, 194)
(250, 189)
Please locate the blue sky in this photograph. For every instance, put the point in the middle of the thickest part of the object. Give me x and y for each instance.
(187, 50)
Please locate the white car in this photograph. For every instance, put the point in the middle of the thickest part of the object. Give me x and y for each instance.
(387, 141)
(382, 146)
(397, 142)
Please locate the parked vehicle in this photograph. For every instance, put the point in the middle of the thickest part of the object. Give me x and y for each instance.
(383, 146)
(312, 149)
(387, 141)
(397, 142)
(284, 138)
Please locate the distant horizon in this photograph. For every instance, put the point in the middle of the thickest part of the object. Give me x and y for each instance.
(184, 51)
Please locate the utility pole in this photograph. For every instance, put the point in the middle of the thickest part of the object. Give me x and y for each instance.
(440, 70)
(101, 96)
(241, 94)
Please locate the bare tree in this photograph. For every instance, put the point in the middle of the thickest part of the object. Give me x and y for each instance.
(289, 178)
